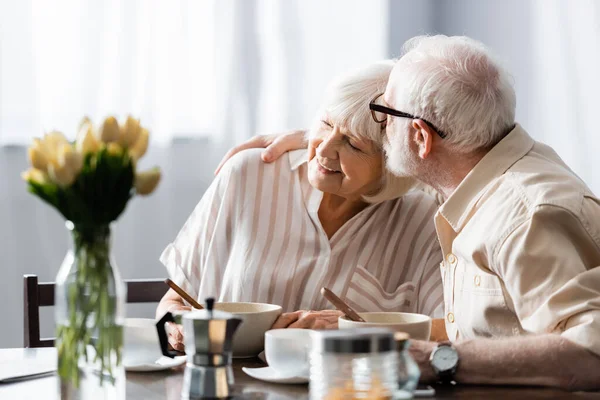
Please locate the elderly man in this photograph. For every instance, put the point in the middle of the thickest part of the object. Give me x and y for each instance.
(519, 230)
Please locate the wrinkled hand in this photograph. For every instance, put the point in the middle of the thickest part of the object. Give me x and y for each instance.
(175, 331)
(275, 145)
(326, 319)
(420, 351)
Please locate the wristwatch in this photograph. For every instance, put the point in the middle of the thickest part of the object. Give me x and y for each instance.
(444, 361)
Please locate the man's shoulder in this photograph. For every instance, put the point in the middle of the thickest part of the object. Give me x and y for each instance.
(541, 178)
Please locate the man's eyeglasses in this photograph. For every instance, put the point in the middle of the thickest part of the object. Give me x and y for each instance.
(380, 113)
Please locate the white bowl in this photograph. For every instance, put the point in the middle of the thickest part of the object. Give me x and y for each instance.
(418, 326)
(249, 339)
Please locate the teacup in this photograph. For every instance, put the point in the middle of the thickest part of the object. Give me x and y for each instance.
(418, 326)
(286, 351)
(141, 344)
(249, 339)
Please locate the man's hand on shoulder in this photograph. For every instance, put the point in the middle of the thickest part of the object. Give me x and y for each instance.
(275, 145)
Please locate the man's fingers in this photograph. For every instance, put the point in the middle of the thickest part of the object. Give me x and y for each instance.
(289, 141)
(286, 319)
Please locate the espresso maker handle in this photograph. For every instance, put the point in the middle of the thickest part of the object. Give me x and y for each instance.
(162, 335)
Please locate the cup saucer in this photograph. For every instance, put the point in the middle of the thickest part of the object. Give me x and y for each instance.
(268, 374)
(161, 364)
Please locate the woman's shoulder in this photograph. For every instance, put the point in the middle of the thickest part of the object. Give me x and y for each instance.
(251, 159)
(415, 201)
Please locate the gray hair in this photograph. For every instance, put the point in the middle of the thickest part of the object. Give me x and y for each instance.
(346, 102)
(457, 84)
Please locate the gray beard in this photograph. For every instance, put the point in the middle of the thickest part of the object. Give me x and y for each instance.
(401, 165)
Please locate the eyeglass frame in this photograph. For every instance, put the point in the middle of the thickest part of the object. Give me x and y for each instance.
(390, 111)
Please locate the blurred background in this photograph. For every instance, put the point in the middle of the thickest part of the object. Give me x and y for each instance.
(204, 75)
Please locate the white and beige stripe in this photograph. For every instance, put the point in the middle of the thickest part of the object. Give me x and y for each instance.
(255, 236)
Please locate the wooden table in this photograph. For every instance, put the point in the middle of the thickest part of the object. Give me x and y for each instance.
(166, 385)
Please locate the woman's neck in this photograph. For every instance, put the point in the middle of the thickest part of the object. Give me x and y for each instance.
(335, 211)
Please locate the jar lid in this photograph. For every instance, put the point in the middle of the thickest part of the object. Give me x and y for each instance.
(354, 341)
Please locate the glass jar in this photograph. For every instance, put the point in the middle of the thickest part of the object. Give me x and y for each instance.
(89, 314)
(408, 370)
(353, 364)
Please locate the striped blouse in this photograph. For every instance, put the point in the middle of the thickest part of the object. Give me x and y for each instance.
(256, 236)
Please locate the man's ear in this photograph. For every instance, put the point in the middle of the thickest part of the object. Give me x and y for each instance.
(423, 137)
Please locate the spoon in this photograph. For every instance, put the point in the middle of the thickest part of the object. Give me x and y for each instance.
(341, 305)
(183, 294)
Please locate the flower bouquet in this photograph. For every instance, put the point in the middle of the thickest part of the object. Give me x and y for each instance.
(90, 182)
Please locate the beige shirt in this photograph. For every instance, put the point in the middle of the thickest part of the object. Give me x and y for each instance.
(256, 236)
(521, 238)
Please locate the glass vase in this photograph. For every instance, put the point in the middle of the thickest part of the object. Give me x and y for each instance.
(89, 313)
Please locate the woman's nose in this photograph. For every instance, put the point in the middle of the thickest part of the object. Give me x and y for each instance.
(329, 146)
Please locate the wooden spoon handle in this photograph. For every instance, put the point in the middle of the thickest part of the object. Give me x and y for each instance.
(341, 305)
(183, 294)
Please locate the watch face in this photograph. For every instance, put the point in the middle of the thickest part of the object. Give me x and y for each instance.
(445, 358)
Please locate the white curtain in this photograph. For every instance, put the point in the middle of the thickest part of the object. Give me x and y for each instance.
(565, 83)
(187, 68)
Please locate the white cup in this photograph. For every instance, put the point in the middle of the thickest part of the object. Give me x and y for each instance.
(286, 351)
(140, 339)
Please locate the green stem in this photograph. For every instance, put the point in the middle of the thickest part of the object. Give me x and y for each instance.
(91, 297)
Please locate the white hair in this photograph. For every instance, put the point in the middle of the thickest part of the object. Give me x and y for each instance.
(346, 103)
(458, 85)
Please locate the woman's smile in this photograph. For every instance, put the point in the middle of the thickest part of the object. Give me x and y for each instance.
(325, 170)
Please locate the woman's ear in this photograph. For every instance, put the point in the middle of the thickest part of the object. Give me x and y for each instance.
(423, 137)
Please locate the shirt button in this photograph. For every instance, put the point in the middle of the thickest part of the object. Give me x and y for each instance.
(451, 258)
(477, 280)
(450, 318)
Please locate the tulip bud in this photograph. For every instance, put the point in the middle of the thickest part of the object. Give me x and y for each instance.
(130, 132)
(37, 155)
(35, 175)
(51, 143)
(61, 175)
(146, 182)
(114, 149)
(84, 121)
(110, 131)
(139, 148)
(86, 141)
(70, 159)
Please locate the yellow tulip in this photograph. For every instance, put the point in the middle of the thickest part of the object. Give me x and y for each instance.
(61, 175)
(114, 149)
(110, 131)
(130, 132)
(63, 170)
(85, 120)
(86, 141)
(37, 155)
(35, 175)
(146, 182)
(141, 145)
(68, 157)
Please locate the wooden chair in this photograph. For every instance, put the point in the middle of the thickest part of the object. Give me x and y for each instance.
(36, 295)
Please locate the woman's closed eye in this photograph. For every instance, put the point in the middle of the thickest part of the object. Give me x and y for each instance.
(354, 147)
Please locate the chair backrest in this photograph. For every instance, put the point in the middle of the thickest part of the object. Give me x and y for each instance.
(36, 295)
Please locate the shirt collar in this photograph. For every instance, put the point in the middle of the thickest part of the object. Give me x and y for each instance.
(297, 158)
(457, 209)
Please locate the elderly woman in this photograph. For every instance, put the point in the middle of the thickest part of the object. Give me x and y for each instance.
(330, 217)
